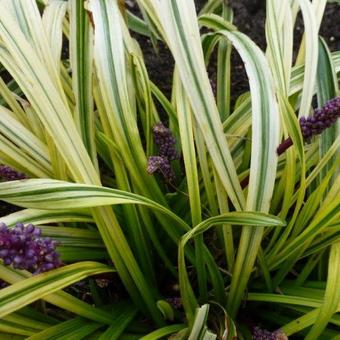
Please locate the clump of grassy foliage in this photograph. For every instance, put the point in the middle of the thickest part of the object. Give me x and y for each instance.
(179, 245)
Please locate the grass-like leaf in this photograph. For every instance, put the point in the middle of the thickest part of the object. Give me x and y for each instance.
(25, 292)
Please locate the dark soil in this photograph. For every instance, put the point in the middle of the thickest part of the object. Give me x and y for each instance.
(249, 17)
(6, 208)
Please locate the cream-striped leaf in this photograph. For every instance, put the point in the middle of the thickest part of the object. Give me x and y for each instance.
(27, 291)
(53, 194)
(181, 32)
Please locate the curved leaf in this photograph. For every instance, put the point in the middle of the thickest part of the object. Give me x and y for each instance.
(235, 218)
(27, 291)
(54, 194)
(265, 139)
(181, 32)
(38, 217)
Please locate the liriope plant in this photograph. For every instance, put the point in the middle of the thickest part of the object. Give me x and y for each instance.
(227, 220)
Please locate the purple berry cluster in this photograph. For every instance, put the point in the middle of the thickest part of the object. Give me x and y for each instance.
(322, 119)
(161, 165)
(167, 152)
(263, 334)
(9, 174)
(175, 302)
(24, 248)
(165, 141)
(311, 126)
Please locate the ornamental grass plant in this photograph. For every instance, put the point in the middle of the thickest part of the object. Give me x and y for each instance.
(147, 216)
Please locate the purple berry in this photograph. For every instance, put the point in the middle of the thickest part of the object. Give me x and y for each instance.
(165, 141)
(160, 165)
(175, 302)
(263, 334)
(9, 174)
(24, 248)
(167, 152)
(322, 119)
